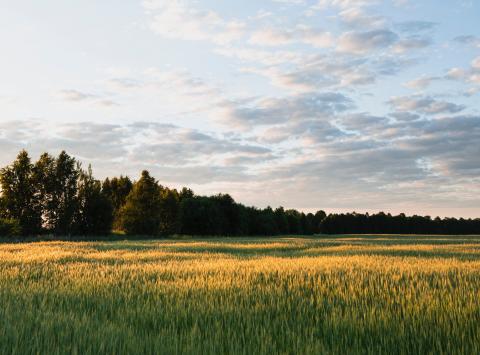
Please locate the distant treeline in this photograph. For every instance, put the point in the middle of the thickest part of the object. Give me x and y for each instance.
(55, 195)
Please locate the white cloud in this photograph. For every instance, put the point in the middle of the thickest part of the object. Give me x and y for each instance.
(343, 4)
(421, 83)
(470, 75)
(476, 63)
(82, 97)
(75, 95)
(357, 17)
(301, 34)
(178, 19)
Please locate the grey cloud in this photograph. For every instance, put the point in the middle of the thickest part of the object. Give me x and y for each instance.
(313, 131)
(426, 105)
(405, 116)
(388, 65)
(468, 39)
(140, 144)
(339, 71)
(362, 42)
(416, 26)
(362, 122)
(362, 158)
(411, 43)
(423, 156)
(274, 111)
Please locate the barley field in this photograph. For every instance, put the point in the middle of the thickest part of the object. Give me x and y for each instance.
(332, 295)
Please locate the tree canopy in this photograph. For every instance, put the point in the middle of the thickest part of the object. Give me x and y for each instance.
(55, 195)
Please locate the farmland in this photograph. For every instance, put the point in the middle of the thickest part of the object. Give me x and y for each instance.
(356, 294)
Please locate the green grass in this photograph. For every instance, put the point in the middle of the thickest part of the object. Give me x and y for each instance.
(343, 294)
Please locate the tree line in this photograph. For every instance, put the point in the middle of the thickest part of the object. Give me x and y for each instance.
(55, 195)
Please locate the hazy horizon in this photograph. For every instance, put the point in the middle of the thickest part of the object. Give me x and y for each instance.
(340, 105)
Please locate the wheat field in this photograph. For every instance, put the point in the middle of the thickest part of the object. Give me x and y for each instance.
(334, 295)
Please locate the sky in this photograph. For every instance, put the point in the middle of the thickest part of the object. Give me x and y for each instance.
(341, 105)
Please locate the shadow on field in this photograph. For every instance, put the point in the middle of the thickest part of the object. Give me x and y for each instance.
(459, 247)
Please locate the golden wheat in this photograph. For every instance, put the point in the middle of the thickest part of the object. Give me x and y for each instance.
(376, 294)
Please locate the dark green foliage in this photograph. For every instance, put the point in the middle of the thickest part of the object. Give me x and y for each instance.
(66, 177)
(200, 216)
(117, 190)
(185, 193)
(94, 214)
(10, 228)
(294, 222)
(229, 218)
(57, 190)
(44, 177)
(142, 210)
(318, 218)
(381, 223)
(263, 222)
(169, 209)
(54, 195)
(19, 200)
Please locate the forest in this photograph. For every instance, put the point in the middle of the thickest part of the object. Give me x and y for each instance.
(56, 196)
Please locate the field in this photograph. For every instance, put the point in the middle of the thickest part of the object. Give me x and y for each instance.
(344, 294)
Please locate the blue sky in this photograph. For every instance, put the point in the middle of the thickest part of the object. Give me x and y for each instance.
(336, 104)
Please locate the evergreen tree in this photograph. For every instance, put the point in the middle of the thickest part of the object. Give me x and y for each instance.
(141, 213)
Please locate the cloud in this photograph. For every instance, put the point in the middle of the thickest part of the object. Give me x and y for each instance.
(357, 18)
(178, 19)
(260, 56)
(175, 153)
(469, 40)
(470, 75)
(425, 105)
(296, 94)
(343, 4)
(363, 42)
(410, 164)
(476, 63)
(274, 111)
(411, 43)
(331, 71)
(74, 95)
(301, 34)
(79, 97)
(421, 83)
(416, 26)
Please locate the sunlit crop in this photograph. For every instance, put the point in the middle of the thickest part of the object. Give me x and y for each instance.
(376, 294)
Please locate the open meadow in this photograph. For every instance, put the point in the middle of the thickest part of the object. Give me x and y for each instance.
(343, 294)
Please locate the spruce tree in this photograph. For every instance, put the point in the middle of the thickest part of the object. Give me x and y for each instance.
(141, 213)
